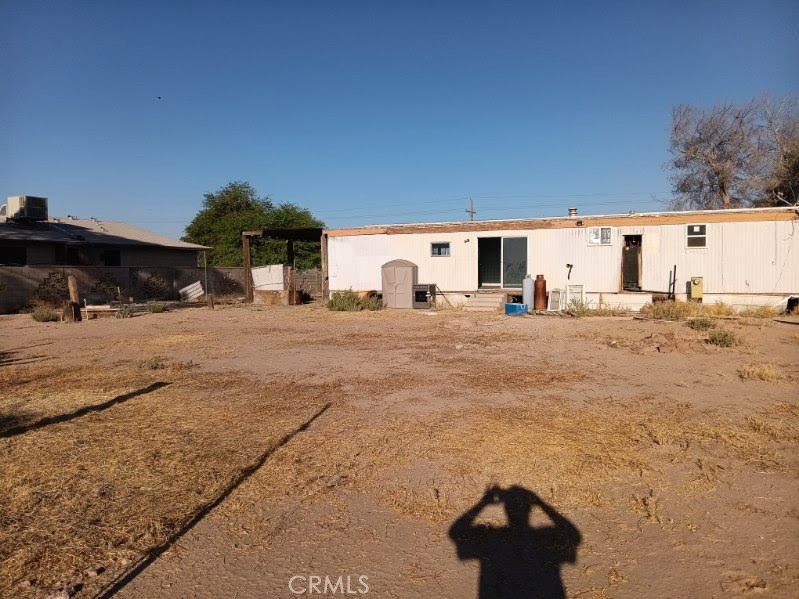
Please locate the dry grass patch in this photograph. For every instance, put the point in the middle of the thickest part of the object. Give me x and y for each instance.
(110, 486)
(486, 377)
(760, 372)
(161, 363)
(760, 312)
(34, 392)
(178, 339)
(575, 456)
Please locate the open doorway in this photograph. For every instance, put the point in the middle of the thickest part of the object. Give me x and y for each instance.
(631, 263)
(489, 262)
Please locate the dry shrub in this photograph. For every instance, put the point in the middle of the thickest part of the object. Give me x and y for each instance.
(157, 307)
(760, 372)
(717, 309)
(723, 338)
(153, 363)
(703, 323)
(344, 301)
(124, 311)
(349, 301)
(578, 307)
(670, 310)
(44, 313)
(674, 310)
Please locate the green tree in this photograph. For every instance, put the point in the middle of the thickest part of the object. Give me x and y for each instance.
(236, 208)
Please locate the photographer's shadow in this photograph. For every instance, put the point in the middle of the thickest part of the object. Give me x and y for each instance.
(518, 560)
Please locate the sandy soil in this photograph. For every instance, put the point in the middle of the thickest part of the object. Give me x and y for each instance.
(247, 446)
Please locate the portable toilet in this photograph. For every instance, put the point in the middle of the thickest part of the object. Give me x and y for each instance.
(399, 277)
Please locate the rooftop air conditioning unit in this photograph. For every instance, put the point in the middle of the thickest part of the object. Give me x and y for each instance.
(26, 208)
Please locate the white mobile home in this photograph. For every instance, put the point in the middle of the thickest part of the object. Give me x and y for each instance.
(742, 257)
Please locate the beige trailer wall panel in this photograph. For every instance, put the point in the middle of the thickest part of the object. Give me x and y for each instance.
(741, 257)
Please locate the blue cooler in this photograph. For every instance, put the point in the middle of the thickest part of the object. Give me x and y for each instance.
(516, 309)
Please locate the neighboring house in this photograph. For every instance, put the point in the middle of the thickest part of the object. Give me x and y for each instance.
(111, 260)
(742, 257)
(71, 241)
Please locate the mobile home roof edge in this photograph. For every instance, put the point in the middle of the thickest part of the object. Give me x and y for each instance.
(565, 222)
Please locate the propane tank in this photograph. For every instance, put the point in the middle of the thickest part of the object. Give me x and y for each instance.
(540, 292)
(527, 291)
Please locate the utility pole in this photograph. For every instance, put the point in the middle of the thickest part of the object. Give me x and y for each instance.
(471, 211)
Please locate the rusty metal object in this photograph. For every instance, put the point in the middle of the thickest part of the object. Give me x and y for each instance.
(540, 293)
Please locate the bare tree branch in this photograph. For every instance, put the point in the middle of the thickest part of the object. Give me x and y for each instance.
(735, 156)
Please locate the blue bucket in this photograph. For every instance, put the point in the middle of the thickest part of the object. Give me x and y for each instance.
(516, 309)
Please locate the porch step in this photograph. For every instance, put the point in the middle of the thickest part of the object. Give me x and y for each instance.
(485, 302)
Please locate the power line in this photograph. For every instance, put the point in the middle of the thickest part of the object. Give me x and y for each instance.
(529, 196)
(363, 212)
(379, 214)
(471, 211)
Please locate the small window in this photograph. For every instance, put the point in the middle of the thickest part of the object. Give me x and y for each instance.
(440, 249)
(111, 258)
(13, 256)
(599, 236)
(696, 236)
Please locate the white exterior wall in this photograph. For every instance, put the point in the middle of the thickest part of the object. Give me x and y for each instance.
(268, 278)
(745, 259)
(354, 262)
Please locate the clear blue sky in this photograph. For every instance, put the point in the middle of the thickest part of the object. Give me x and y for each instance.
(368, 112)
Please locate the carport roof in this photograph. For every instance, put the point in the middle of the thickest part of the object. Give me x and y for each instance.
(302, 234)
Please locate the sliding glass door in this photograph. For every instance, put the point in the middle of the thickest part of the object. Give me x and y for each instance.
(501, 262)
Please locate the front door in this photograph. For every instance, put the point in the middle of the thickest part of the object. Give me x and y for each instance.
(631, 263)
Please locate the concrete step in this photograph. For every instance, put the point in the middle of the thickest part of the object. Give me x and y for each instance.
(485, 302)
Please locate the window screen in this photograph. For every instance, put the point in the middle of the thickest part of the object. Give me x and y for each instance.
(440, 249)
(599, 236)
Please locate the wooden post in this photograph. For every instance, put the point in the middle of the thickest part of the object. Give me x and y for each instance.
(245, 250)
(323, 252)
(292, 287)
(290, 253)
(72, 284)
(71, 311)
(209, 298)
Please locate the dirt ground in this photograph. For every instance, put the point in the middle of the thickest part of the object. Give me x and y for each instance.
(244, 451)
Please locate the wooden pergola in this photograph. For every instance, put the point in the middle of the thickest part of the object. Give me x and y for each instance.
(290, 236)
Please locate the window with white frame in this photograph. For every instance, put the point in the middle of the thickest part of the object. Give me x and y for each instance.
(599, 236)
(439, 248)
(696, 236)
